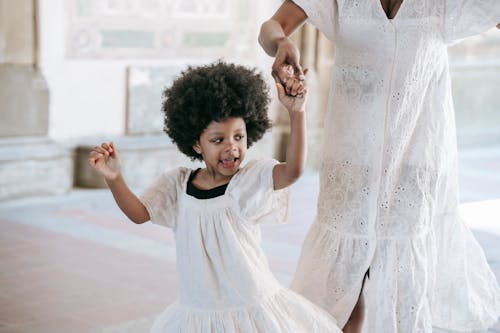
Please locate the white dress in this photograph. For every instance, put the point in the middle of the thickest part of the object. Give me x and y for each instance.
(388, 181)
(225, 284)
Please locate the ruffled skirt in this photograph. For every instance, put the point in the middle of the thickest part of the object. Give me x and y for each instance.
(439, 278)
(283, 312)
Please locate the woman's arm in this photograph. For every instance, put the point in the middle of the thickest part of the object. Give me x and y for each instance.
(281, 25)
(274, 39)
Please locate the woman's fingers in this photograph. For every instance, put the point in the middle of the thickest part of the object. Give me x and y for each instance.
(278, 64)
(299, 73)
(302, 93)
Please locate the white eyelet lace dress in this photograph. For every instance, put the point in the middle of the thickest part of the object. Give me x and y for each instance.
(225, 284)
(388, 182)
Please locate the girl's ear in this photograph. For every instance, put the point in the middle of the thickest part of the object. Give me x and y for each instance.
(197, 147)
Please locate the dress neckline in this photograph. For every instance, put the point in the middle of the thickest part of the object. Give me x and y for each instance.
(396, 15)
(227, 187)
(203, 194)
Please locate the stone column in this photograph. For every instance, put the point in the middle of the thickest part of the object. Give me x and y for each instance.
(30, 163)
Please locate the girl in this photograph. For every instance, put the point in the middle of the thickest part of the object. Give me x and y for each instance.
(213, 113)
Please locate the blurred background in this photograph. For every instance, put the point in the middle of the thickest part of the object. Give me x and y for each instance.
(75, 73)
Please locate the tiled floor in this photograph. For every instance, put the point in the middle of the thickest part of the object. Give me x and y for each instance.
(74, 264)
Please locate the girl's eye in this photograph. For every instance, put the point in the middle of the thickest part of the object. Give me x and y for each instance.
(219, 140)
(239, 137)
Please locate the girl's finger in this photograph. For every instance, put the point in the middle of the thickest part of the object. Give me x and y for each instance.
(303, 93)
(96, 155)
(301, 90)
(289, 86)
(103, 151)
(113, 151)
(297, 86)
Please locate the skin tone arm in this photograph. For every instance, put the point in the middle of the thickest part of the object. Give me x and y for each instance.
(106, 161)
(274, 40)
(286, 173)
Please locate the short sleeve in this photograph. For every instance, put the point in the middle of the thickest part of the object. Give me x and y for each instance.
(465, 18)
(254, 192)
(160, 198)
(322, 14)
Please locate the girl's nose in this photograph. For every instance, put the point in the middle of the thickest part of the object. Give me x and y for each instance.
(231, 146)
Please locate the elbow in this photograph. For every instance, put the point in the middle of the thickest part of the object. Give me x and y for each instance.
(139, 220)
(260, 38)
(264, 38)
(261, 43)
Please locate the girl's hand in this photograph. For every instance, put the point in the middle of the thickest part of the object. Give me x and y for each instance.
(105, 160)
(295, 100)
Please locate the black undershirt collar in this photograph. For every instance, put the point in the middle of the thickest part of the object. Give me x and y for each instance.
(203, 194)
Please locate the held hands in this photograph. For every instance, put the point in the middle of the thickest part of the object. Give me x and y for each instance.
(286, 54)
(292, 90)
(105, 160)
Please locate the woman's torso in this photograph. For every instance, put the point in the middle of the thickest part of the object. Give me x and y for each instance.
(390, 126)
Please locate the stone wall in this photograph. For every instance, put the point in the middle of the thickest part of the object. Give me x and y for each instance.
(30, 163)
(475, 74)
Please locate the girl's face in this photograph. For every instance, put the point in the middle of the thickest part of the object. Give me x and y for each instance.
(223, 146)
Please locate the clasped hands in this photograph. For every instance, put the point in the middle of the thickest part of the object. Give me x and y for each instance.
(292, 80)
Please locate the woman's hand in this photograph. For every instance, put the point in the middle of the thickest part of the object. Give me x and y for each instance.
(287, 54)
(105, 160)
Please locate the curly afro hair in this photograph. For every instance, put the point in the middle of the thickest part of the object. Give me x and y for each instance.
(214, 92)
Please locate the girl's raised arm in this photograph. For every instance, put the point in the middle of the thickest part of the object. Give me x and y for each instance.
(287, 173)
(106, 161)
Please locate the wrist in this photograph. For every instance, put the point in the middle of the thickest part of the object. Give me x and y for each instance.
(280, 41)
(297, 115)
(113, 178)
(297, 110)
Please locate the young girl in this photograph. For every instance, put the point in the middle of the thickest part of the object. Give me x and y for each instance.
(213, 113)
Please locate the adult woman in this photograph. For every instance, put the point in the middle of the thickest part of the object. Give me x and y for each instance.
(388, 180)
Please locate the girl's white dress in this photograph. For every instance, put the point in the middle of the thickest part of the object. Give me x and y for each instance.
(225, 284)
(389, 191)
